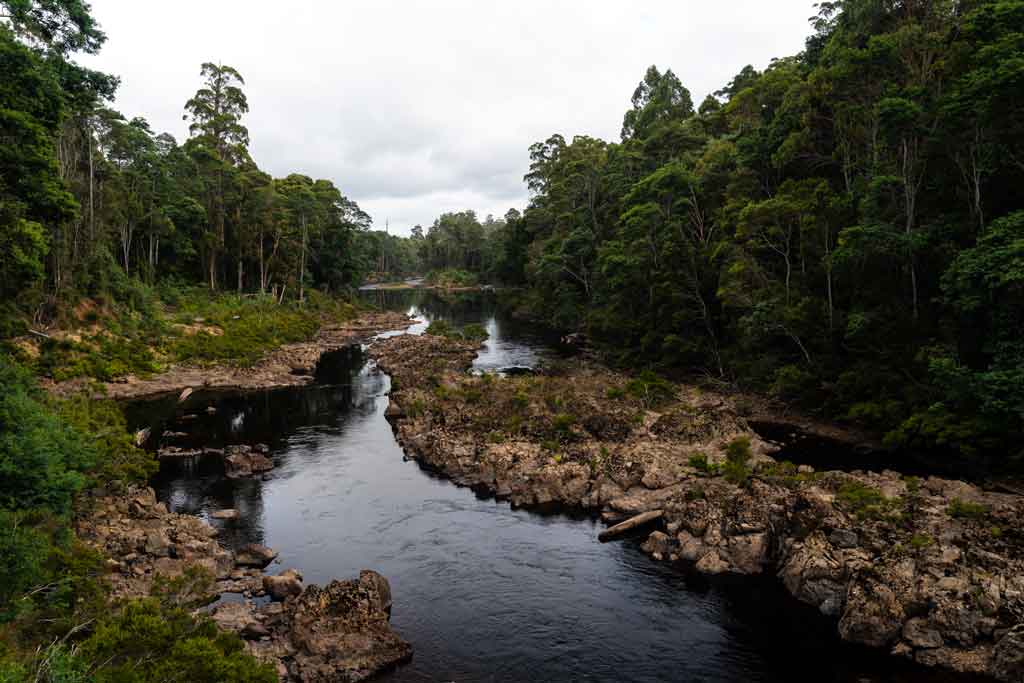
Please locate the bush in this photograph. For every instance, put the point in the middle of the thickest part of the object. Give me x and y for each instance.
(451, 278)
(963, 509)
(42, 459)
(650, 389)
(470, 333)
(699, 461)
(863, 501)
(150, 642)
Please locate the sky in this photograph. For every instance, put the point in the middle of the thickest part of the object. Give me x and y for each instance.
(420, 107)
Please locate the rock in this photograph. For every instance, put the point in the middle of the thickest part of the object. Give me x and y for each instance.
(234, 616)
(873, 615)
(1008, 660)
(254, 631)
(229, 513)
(393, 411)
(341, 633)
(918, 633)
(157, 543)
(805, 469)
(254, 555)
(185, 393)
(284, 585)
(658, 545)
(843, 538)
(243, 461)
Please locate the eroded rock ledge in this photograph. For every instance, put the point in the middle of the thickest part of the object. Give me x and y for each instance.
(313, 634)
(927, 569)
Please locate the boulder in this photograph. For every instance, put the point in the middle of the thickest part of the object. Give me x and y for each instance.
(341, 633)
(1008, 663)
(285, 585)
(843, 538)
(244, 461)
(254, 555)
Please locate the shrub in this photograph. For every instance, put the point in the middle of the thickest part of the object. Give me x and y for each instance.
(963, 509)
(615, 393)
(920, 541)
(149, 642)
(738, 450)
(863, 501)
(699, 461)
(42, 459)
(650, 389)
(563, 423)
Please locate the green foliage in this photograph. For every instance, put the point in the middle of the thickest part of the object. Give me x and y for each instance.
(699, 461)
(43, 460)
(241, 330)
(841, 230)
(650, 389)
(148, 642)
(863, 501)
(471, 333)
(451, 279)
(738, 450)
(921, 541)
(563, 424)
(962, 509)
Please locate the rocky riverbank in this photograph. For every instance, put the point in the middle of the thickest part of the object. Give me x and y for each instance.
(929, 569)
(290, 365)
(312, 634)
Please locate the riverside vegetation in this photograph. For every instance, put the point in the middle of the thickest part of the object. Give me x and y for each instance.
(842, 230)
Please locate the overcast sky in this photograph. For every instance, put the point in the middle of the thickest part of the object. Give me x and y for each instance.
(415, 108)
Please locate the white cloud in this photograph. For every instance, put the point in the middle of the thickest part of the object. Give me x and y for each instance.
(413, 108)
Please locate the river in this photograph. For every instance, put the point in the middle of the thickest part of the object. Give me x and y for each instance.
(483, 592)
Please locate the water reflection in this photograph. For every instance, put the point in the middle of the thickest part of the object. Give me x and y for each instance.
(511, 342)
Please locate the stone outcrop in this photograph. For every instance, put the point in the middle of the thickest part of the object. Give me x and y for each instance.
(254, 555)
(929, 570)
(143, 540)
(284, 585)
(340, 632)
(246, 461)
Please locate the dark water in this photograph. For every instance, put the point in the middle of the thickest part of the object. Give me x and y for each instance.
(482, 591)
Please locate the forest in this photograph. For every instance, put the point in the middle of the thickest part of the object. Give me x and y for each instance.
(843, 230)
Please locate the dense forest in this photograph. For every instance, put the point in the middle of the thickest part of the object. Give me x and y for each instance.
(94, 203)
(843, 229)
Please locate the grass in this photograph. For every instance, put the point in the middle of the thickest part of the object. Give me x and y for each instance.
(196, 327)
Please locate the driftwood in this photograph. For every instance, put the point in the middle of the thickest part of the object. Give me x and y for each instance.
(630, 524)
(40, 334)
(185, 393)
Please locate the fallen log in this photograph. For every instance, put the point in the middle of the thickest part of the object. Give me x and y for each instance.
(630, 524)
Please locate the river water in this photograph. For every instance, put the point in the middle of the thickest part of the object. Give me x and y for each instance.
(482, 591)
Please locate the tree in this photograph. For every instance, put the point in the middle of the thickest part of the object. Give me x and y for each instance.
(219, 143)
